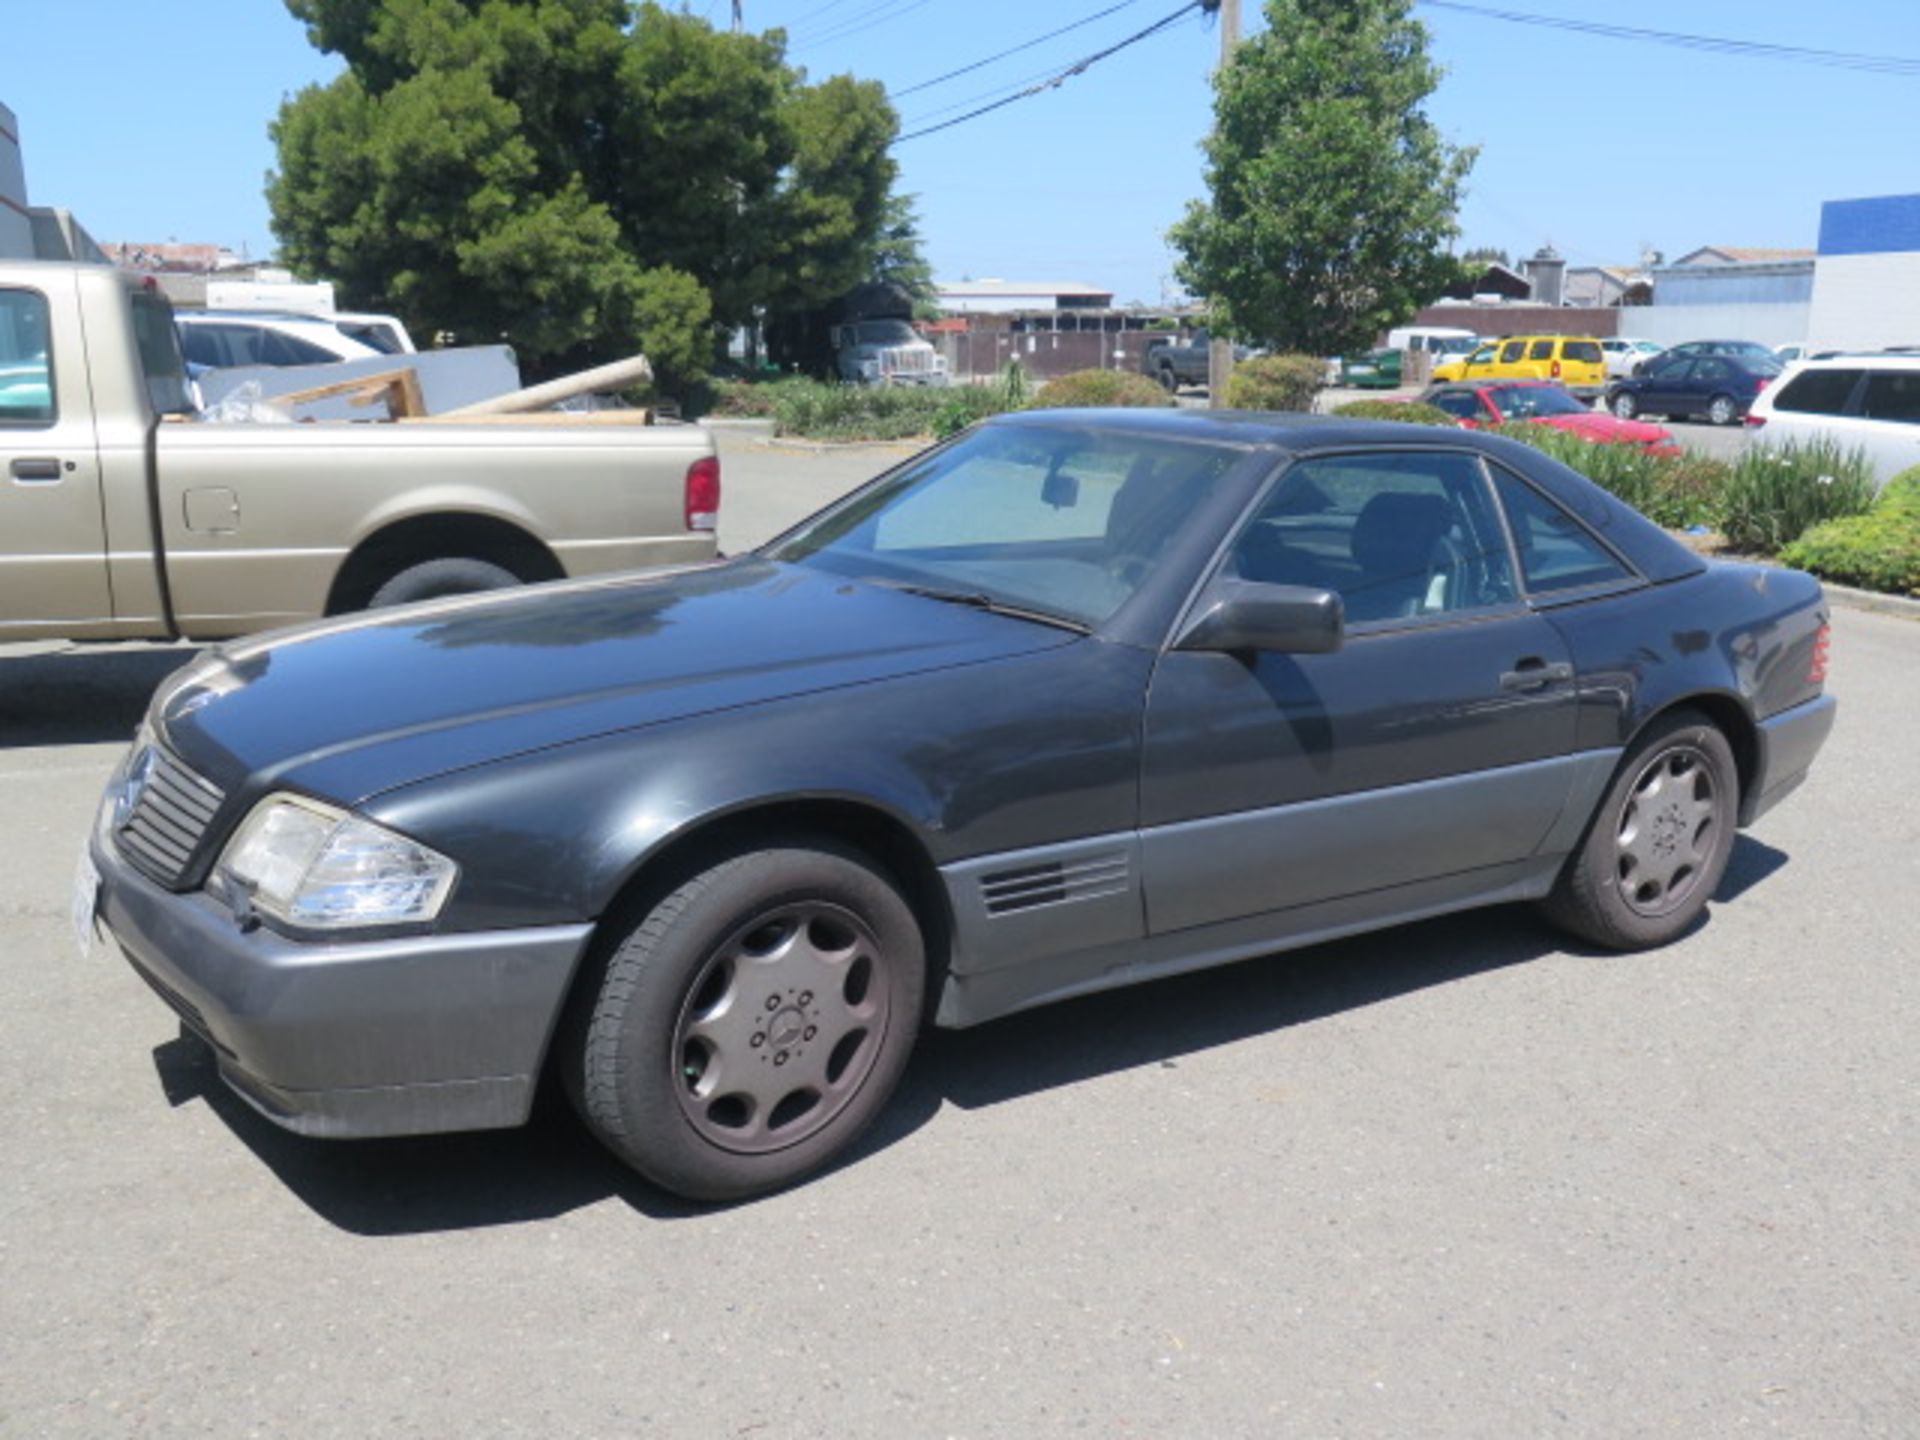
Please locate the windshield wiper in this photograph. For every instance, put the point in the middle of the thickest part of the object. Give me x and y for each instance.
(977, 600)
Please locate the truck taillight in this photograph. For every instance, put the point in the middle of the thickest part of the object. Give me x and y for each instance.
(703, 494)
(1822, 644)
(1554, 374)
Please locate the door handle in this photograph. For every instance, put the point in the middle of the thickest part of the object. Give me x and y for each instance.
(1533, 673)
(39, 469)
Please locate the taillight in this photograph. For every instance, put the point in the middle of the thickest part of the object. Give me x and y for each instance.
(1760, 382)
(1554, 374)
(1753, 421)
(703, 494)
(1822, 644)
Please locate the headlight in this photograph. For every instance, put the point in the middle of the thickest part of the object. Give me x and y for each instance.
(312, 866)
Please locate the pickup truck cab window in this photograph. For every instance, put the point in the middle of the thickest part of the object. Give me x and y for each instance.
(26, 368)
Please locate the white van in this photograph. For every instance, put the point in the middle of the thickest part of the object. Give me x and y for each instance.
(1868, 402)
(1434, 339)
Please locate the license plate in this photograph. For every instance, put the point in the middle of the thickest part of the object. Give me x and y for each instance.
(86, 903)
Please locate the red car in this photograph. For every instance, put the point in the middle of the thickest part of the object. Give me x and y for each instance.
(1492, 402)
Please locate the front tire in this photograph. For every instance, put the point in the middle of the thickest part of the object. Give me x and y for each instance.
(1625, 406)
(1658, 845)
(753, 1022)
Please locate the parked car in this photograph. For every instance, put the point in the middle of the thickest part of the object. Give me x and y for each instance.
(1623, 353)
(1077, 699)
(1575, 361)
(1544, 402)
(1748, 350)
(223, 340)
(1375, 370)
(1719, 388)
(1865, 402)
(124, 521)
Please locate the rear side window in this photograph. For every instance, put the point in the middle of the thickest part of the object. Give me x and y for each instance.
(1556, 552)
(1582, 352)
(26, 360)
(1542, 350)
(1892, 395)
(158, 341)
(1817, 392)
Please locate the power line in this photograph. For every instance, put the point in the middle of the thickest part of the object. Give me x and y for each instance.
(866, 20)
(1713, 44)
(1079, 67)
(1026, 45)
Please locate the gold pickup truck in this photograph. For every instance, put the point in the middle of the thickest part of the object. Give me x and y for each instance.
(121, 518)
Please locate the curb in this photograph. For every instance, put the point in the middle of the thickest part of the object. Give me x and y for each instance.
(1871, 600)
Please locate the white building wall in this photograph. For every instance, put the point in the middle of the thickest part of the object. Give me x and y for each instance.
(1866, 302)
(16, 230)
(1672, 324)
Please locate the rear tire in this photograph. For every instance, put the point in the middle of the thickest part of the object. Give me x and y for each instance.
(1657, 846)
(437, 579)
(752, 1023)
(1723, 410)
(1170, 379)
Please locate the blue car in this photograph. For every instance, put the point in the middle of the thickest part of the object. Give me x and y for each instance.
(1679, 386)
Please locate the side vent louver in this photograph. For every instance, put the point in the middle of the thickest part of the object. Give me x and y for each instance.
(1055, 882)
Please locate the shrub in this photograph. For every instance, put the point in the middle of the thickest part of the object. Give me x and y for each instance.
(1408, 412)
(1276, 382)
(1101, 388)
(1879, 550)
(831, 411)
(1675, 491)
(1775, 496)
(968, 404)
(739, 399)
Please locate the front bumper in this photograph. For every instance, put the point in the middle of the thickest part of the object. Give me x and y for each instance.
(375, 1037)
(1788, 743)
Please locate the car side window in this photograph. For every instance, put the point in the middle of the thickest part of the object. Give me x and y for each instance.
(281, 349)
(1710, 371)
(1556, 552)
(1541, 350)
(1512, 351)
(26, 362)
(1458, 403)
(1581, 352)
(1398, 535)
(196, 343)
(1892, 395)
(1817, 392)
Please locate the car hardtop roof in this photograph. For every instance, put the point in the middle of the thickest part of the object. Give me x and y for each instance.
(1851, 359)
(1650, 549)
(279, 317)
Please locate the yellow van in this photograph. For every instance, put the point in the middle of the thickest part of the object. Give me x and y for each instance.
(1576, 361)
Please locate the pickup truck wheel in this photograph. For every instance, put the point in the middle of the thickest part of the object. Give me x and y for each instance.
(753, 1022)
(1170, 378)
(1658, 845)
(436, 579)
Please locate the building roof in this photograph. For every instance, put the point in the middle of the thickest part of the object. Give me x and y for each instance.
(1738, 255)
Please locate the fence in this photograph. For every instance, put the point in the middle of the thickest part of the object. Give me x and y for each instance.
(978, 354)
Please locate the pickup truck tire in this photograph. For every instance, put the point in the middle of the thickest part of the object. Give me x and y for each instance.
(750, 1024)
(1169, 377)
(436, 579)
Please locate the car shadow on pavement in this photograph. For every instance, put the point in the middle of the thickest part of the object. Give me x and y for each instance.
(80, 696)
(552, 1165)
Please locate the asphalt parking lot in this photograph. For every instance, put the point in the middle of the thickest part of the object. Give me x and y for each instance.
(1453, 1180)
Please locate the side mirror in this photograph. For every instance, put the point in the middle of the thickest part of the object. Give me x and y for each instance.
(1239, 616)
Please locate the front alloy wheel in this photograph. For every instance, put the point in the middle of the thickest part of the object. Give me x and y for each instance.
(745, 1027)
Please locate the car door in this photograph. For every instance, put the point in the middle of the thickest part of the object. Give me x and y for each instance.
(1711, 375)
(1665, 386)
(1889, 427)
(1436, 742)
(1466, 406)
(1512, 361)
(53, 561)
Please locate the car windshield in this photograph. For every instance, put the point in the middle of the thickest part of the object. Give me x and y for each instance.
(1523, 402)
(884, 332)
(1059, 521)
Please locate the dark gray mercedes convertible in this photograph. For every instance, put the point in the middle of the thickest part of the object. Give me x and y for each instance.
(1075, 700)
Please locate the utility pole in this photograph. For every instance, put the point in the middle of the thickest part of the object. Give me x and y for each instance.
(1220, 352)
(738, 19)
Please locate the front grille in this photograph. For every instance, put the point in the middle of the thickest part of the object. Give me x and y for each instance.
(162, 832)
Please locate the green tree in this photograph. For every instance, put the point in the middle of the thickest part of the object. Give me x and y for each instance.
(898, 258)
(577, 176)
(1333, 196)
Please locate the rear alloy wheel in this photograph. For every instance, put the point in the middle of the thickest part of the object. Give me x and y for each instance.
(753, 1022)
(1722, 410)
(1659, 843)
(1625, 406)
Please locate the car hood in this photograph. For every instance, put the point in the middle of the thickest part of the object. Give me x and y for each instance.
(349, 708)
(1605, 429)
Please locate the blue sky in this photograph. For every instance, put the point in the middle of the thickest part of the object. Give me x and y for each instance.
(150, 122)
